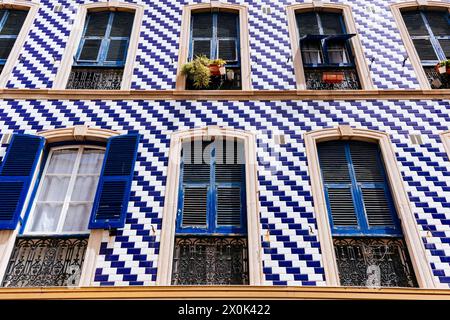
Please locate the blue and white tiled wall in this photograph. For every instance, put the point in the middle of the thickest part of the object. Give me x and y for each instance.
(288, 225)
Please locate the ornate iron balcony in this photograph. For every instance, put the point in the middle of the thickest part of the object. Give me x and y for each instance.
(95, 78)
(437, 80)
(314, 79)
(374, 262)
(220, 82)
(210, 261)
(45, 262)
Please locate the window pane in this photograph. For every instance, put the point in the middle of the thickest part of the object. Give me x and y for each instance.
(202, 47)
(91, 161)
(54, 188)
(46, 217)
(337, 52)
(97, 23)
(5, 47)
(445, 44)
(311, 52)
(77, 217)
(439, 22)
(90, 50)
(117, 50)
(414, 23)
(227, 50)
(202, 25)
(331, 23)
(14, 22)
(85, 188)
(62, 161)
(227, 25)
(425, 49)
(307, 23)
(122, 24)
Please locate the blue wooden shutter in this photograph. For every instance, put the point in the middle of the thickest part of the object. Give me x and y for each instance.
(16, 173)
(113, 191)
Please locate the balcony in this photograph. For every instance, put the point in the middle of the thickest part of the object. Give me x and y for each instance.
(374, 262)
(95, 78)
(221, 82)
(314, 79)
(210, 261)
(45, 262)
(437, 80)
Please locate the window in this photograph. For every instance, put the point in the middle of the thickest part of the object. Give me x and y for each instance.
(429, 30)
(80, 188)
(101, 56)
(326, 51)
(368, 241)
(211, 227)
(11, 22)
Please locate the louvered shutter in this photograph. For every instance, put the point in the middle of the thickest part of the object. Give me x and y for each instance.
(202, 33)
(16, 174)
(369, 174)
(425, 49)
(439, 22)
(230, 182)
(338, 185)
(113, 191)
(414, 23)
(228, 50)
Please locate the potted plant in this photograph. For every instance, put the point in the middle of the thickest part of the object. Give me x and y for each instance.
(443, 67)
(333, 77)
(200, 70)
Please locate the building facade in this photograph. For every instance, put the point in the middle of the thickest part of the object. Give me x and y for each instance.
(319, 157)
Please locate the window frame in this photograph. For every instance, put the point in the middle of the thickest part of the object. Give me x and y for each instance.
(184, 42)
(411, 51)
(31, 214)
(360, 61)
(412, 235)
(64, 67)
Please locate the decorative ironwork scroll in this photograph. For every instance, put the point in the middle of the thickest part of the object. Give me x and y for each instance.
(45, 262)
(95, 78)
(374, 262)
(210, 261)
(314, 80)
(437, 80)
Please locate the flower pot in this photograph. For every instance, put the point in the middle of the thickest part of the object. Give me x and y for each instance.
(448, 71)
(216, 70)
(332, 77)
(441, 69)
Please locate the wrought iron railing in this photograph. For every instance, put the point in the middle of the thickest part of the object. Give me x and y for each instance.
(436, 79)
(45, 262)
(221, 82)
(95, 78)
(374, 262)
(210, 261)
(314, 80)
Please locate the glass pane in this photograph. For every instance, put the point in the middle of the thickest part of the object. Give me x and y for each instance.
(331, 23)
(227, 50)
(311, 53)
(117, 50)
(85, 188)
(122, 24)
(90, 50)
(202, 25)
(77, 217)
(227, 25)
(5, 47)
(46, 217)
(62, 161)
(425, 49)
(202, 47)
(54, 188)
(14, 22)
(439, 22)
(337, 53)
(445, 45)
(91, 161)
(414, 23)
(97, 23)
(307, 23)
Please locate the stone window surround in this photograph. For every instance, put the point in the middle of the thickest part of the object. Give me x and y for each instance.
(411, 232)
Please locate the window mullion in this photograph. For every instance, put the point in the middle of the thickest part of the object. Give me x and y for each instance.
(70, 189)
(214, 42)
(212, 194)
(106, 39)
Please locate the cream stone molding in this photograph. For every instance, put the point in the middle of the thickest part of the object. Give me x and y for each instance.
(407, 41)
(66, 63)
(445, 137)
(32, 8)
(243, 34)
(77, 133)
(165, 257)
(361, 63)
(410, 228)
